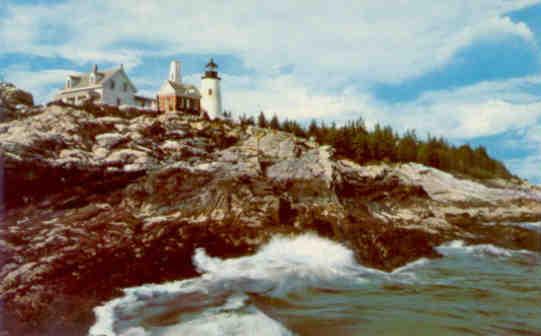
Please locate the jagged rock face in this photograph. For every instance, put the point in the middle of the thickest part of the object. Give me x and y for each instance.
(97, 199)
(15, 103)
(12, 96)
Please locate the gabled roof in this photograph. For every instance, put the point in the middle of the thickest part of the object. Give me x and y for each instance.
(136, 97)
(81, 81)
(179, 89)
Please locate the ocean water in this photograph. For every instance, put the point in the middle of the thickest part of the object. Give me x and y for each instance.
(307, 285)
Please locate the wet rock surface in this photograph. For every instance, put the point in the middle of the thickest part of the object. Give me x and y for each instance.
(97, 199)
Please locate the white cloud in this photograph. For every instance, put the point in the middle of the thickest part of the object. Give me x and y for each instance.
(481, 109)
(287, 97)
(527, 167)
(523, 151)
(326, 44)
(42, 84)
(368, 40)
(533, 135)
(490, 28)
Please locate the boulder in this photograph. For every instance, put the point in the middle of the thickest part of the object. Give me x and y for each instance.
(93, 191)
(11, 96)
(15, 103)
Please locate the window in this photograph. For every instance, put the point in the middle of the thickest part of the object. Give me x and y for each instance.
(188, 103)
(118, 101)
(112, 85)
(210, 92)
(125, 87)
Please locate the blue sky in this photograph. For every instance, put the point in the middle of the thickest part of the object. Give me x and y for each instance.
(466, 70)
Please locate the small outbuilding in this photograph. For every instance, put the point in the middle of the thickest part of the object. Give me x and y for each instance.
(177, 96)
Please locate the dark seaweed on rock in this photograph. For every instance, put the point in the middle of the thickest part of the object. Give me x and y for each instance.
(97, 199)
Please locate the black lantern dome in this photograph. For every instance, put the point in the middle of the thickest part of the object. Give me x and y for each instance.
(211, 70)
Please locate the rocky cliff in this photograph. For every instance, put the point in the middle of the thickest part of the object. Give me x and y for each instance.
(97, 199)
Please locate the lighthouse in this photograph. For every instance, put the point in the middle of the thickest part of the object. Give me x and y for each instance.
(211, 96)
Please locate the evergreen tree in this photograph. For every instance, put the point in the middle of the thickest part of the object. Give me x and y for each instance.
(407, 147)
(286, 126)
(245, 120)
(352, 140)
(261, 120)
(343, 143)
(361, 150)
(313, 129)
(274, 123)
(388, 144)
(297, 129)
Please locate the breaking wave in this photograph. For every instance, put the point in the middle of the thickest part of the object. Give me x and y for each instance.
(221, 300)
(459, 247)
(218, 301)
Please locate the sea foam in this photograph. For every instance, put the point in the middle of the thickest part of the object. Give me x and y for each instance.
(229, 319)
(221, 294)
(460, 247)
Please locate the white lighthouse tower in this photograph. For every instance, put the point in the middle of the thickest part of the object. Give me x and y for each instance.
(211, 95)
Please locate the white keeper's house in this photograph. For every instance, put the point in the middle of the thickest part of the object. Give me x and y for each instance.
(113, 87)
(109, 87)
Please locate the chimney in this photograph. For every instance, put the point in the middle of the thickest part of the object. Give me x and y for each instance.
(174, 72)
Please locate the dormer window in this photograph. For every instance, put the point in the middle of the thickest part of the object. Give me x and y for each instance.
(112, 85)
(210, 92)
(68, 83)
